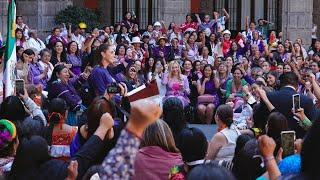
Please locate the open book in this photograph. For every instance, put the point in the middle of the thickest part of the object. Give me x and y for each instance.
(151, 92)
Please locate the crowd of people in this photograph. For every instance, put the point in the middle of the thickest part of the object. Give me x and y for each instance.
(74, 119)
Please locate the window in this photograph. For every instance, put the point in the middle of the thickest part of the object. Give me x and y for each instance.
(146, 11)
(232, 8)
(273, 9)
(255, 9)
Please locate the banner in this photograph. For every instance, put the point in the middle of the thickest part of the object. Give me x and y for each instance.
(10, 57)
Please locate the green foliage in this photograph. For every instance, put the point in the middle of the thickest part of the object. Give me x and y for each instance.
(75, 15)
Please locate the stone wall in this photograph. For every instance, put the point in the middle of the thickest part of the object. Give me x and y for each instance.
(174, 10)
(39, 14)
(297, 20)
(316, 15)
(3, 17)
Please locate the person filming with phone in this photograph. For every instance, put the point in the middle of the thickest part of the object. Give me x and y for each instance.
(282, 99)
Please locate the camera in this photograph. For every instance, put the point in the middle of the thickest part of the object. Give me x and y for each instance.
(113, 88)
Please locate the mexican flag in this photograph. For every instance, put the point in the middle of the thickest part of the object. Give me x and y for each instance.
(10, 57)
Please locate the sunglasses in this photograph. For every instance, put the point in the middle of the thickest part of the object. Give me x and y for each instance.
(132, 70)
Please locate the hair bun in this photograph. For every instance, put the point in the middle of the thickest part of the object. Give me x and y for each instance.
(55, 118)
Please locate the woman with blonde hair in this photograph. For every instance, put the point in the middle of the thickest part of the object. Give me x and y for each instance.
(158, 153)
(177, 85)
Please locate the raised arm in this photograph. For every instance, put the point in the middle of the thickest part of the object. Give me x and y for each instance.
(69, 33)
(247, 23)
(164, 27)
(267, 147)
(119, 162)
(265, 99)
(315, 85)
(198, 19)
(226, 13)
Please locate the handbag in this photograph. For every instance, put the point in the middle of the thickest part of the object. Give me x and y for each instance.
(206, 99)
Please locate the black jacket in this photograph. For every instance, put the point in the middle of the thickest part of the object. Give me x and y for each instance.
(282, 101)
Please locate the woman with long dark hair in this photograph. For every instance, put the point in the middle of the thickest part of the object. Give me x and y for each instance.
(62, 86)
(103, 75)
(189, 25)
(59, 135)
(21, 41)
(59, 55)
(208, 100)
(74, 58)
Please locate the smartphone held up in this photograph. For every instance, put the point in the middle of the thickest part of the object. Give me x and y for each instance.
(296, 102)
(20, 86)
(287, 142)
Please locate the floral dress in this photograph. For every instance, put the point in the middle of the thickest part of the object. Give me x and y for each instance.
(174, 89)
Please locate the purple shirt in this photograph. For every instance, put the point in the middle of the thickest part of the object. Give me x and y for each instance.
(54, 39)
(34, 75)
(66, 91)
(76, 63)
(99, 79)
(156, 52)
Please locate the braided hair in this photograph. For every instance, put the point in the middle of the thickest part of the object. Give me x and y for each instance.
(57, 111)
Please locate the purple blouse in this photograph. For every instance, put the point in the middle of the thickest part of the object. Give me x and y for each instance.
(210, 88)
(67, 92)
(34, 75)
(166, 51)
(76, 63)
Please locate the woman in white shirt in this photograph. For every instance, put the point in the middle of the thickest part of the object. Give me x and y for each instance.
(34, 42)
(45, 62)
(223, 143)
(205, 56)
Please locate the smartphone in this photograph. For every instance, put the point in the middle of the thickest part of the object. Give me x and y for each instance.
(287, 142)
(19, 86)
(296, 102)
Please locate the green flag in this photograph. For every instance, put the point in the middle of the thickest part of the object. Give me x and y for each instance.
(10, 57)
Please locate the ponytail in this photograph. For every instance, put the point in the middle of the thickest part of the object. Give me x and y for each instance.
(225, 114)
(57, 111)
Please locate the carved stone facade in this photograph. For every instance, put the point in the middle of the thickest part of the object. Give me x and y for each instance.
(297, 19)
(316, 15)
(38, 14)
(174, 10)
(297, 16)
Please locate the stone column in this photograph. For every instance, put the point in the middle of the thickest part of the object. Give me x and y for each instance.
(3, 18)
(316, 15)
(174, 10)
(297, 20)
(105, 8)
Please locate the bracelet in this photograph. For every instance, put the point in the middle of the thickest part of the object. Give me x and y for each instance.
(267, 159)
